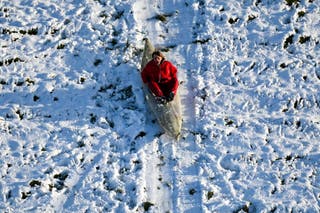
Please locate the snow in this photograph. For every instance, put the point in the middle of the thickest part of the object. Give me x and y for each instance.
(77, 136)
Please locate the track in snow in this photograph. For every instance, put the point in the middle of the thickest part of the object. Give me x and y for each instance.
(169, 182)
(157, 156)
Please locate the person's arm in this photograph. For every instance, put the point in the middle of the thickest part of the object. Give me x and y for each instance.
(144, 76)
(155, 89)
(152, 85)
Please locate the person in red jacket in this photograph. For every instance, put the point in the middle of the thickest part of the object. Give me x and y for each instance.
(161, 77)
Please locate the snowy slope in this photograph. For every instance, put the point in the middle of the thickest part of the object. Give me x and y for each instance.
(77, 136)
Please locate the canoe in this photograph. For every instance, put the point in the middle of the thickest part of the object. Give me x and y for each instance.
(168, 115)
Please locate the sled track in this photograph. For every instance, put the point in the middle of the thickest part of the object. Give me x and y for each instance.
(169, 184)
(158, 181)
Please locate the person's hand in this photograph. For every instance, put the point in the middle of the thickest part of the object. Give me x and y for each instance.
(170, 96)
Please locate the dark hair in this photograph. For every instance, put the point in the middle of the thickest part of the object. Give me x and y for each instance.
(157, 53)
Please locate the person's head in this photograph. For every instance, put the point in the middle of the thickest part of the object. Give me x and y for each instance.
(157, 56)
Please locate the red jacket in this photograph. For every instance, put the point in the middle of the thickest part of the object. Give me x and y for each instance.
(161, 79)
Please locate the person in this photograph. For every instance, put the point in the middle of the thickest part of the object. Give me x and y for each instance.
(161, 77)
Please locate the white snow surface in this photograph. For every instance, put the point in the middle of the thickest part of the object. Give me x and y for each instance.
(76, 134)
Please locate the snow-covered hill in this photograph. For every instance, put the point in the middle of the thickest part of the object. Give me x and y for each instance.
(76, 135)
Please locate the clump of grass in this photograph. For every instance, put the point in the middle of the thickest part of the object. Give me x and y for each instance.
(3, 82)
(33, 31)
(201, 41)
(257, 2)
(103, 15)
(164, 17)
(192, 191)
(288, 41)
(228, 122)
(283, 65)
(161, 17)
(141, 135)
(97, 62)
(301, 14)
(25, 195)
(36, 98)
(93, 118)
(10, 61)
(30, 81)
(304, 39)
(251, 17)
(20, 114)
(147, 205)
(292, 2)
(233, 20)
(244, 208)
(61, 46)
(61, 176)
(35, 183)
(210, 195)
